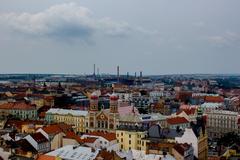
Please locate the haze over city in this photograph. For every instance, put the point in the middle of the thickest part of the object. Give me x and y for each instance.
(156, 37)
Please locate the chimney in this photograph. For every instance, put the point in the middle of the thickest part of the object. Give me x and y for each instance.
(94, 70)
(118, 76)
(141, 77)
(98, 71)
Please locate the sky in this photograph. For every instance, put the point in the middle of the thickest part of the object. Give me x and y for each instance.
(156, 37)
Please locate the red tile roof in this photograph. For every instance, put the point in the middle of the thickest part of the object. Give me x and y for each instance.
(214, 99)
(57, 128)
(39, 137)
(17, 105)
(18, 123)
(177, 120)
(46, 157)
(106, 135)
(181, 148)
(72, 135)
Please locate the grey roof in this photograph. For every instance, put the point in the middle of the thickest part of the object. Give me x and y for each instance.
(156, 132)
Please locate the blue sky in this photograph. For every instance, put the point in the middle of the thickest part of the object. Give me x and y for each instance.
(157, 36)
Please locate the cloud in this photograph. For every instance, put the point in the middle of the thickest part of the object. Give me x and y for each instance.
(228, 38)
(67, 20)
(199, 24)
(217, 39)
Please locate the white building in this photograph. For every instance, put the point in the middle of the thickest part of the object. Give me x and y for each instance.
(220, 122)
(211, 106)
(101, 140)
(74, 152)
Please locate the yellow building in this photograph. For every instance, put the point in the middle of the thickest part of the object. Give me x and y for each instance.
(202, 146)
(131, 138)
(76, 118)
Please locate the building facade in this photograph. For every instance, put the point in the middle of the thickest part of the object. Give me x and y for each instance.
(130, 137)
(20, 110)
(76, 118)
(222, 121)
(105, 119)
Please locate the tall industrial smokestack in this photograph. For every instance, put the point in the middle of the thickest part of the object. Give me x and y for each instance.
(141, 77)
(118, 75)
(98, 71)
(94, 70)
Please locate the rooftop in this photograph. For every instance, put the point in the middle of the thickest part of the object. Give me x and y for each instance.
(106, 135)
(39, 137)
(181, 148)
(73, 152)
(66, 112)
(17, 106)
(177, 120)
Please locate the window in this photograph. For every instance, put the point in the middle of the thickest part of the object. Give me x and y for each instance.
(129, 141)
(121, 140)
(129, 135)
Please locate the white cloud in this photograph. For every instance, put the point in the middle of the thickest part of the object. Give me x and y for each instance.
(227, 38)
(65, 21)
(217, 39)
(199, 24)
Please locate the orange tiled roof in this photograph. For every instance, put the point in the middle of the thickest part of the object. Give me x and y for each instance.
(46, 157)
(216, 99)
(19, 123)
(17, 105)
(106, 135)
(52, 129)
(181, 148)
(177, 120)
(72, 135)
(56, 128)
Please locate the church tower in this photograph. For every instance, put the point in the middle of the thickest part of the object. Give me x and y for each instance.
(93, 110)
(93, 103)
(113, 103)
(113, 115)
